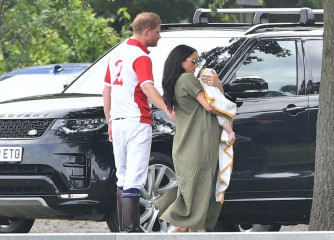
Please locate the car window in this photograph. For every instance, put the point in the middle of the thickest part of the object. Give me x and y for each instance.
(314, 48)
(275, 63)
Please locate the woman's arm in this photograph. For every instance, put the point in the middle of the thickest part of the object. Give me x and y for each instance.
(202, 100)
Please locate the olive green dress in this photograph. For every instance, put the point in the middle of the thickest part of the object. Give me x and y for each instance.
(195, 154)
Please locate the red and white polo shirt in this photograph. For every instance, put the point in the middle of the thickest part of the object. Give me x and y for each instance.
(126, 74)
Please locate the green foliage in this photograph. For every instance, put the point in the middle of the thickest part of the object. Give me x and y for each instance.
(310, 3)
(42, 31)
(293, 3)
(215, 5)
(124, 20)
(170, 11)
(34, 32)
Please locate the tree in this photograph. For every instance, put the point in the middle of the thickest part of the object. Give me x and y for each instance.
(322, 213)
(171, 11)
(34, 32)
(270, 3)
(265, 3)
(217, 4)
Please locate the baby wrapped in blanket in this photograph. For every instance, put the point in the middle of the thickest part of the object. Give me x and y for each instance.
(219, 102)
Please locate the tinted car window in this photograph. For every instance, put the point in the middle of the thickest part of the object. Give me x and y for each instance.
(275, 63)
(314, 48)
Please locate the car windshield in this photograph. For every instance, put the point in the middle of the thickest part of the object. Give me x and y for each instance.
(25, 85)
(213, 52)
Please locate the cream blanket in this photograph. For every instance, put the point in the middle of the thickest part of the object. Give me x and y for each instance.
(218, 101)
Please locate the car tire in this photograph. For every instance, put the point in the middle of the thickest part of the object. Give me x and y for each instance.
(224, 226)
(16, 225)
(161, 178)
(264, 228)
(112, 217)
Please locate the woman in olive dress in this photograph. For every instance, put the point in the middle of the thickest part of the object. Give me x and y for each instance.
(192, 206)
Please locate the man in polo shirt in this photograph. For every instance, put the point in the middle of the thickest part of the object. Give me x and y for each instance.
(127, 95)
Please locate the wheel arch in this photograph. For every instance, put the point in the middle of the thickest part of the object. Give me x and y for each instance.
(162, 146)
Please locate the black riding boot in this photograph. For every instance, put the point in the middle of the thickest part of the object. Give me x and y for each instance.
(131, 215)
(119, 209)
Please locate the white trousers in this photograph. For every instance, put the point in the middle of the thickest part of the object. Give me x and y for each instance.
(131, 146)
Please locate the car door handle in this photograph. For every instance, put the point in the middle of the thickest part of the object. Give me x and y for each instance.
(293, 109)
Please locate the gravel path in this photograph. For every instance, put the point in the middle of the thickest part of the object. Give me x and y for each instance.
(63, 226)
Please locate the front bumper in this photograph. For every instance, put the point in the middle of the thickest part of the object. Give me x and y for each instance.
(69, 177)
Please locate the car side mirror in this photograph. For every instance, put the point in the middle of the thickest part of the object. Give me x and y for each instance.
(247, 87)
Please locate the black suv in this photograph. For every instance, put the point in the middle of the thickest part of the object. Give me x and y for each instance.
(56, 161)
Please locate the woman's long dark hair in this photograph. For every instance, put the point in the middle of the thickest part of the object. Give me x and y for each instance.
(172, 71)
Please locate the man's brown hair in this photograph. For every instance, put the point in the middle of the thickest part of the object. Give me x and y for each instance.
(145, 20)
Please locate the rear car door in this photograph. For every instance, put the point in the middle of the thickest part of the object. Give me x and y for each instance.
(271, 150)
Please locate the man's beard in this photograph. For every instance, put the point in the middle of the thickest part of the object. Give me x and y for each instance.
(153, 43)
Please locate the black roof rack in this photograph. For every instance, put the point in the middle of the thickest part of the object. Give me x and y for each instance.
(261, 14)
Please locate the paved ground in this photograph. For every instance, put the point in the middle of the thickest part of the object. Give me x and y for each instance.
(62, 226)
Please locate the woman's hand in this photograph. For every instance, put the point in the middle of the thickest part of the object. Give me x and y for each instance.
(211, 80)
(170, 114)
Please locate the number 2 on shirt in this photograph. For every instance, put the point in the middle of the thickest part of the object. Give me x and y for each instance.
(118, 80)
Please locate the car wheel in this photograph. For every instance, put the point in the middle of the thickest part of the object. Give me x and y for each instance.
(161, 178)
(112, 218)
(264, 228)
(224, 226)
(16, 225)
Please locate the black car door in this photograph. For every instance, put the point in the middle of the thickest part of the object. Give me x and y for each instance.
(271, 149)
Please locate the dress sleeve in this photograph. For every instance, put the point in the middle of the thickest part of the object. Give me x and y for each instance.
(191, 85)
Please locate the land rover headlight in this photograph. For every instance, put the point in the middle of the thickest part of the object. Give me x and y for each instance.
(79, 125)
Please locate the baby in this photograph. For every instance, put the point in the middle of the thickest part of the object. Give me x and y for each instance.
(219, 102)
(216, 99)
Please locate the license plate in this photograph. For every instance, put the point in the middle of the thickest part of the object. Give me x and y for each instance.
(10, 154)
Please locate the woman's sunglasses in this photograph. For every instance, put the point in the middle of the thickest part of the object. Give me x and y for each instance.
(194, 61)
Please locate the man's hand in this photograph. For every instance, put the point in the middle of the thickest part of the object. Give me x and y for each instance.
(152, 93)
(109, 131)
(106, 107)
